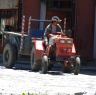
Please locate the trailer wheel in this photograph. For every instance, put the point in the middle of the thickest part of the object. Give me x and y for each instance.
(44, 65)
(35, 64)
(9, 55)
(77, 66)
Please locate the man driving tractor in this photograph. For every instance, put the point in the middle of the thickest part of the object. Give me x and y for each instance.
(56, 47)
(51, 29)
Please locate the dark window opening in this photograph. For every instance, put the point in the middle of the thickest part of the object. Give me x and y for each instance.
(63, 9)
(11, 18)
(59, 4)
(8, 19)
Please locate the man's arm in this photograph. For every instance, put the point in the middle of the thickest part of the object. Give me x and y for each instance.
(60, 29)
(47, 31)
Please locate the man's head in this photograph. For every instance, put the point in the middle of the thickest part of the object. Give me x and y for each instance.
(55, 20)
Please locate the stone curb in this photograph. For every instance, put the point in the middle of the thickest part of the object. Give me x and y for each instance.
(88, 68)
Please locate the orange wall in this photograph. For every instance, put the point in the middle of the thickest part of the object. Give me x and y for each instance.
(31, 8)
(85, 27)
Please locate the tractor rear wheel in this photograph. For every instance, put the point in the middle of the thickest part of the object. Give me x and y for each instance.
(35, 64)
(9, 55)
(44, 65)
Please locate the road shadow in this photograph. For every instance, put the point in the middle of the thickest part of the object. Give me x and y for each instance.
(88, 68)
(22, 66)
(56, 70)
(88, 72)
(80, 93)
(19, 66)
(55, 73)
(1, 60)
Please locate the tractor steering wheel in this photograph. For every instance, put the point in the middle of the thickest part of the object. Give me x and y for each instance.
(57, 33)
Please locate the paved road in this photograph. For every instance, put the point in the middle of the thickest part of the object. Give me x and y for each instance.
(20, 80)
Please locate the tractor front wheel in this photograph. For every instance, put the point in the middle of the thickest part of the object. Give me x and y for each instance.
(35, 64)
(44, 65)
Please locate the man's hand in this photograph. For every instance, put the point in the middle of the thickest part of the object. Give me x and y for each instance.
(50, 35)
(62, 33)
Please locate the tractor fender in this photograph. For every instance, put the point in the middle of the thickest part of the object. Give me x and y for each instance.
(73, 49)
(39, 46)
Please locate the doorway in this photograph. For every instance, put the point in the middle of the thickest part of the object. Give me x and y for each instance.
(94, 51)
(63, 9)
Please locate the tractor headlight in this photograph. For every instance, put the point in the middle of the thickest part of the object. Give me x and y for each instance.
(69, 42)
(62, 41)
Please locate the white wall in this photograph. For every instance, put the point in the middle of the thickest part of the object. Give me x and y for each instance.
(7, 4)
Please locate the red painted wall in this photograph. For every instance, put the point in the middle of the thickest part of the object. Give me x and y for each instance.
(85, 28)
(31, 8)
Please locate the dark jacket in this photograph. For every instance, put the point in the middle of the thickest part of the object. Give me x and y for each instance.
(48, 29)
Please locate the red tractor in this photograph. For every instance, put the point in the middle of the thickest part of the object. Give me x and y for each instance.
(62, 51)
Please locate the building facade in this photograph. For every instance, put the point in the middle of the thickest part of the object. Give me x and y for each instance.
(85, 33)
(80, 15)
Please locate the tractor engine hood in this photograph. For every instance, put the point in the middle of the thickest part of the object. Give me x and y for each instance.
(64, 40)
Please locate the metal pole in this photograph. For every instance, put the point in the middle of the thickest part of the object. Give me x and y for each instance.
(22, 32)
(64, 25)
(29, 24)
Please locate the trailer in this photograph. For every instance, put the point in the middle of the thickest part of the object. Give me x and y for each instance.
(18, 44)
